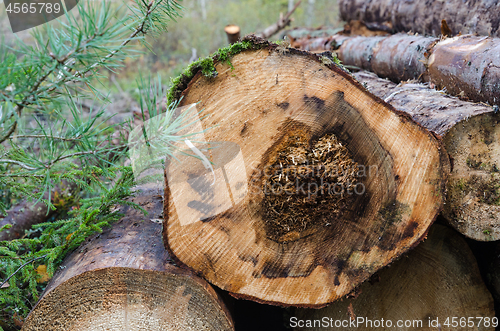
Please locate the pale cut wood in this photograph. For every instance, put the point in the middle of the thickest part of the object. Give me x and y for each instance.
(470, 134)
(439, 279)
(123, 279)
(271, 96)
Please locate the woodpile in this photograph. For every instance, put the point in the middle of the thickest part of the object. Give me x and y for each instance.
(298, 121)
(439, 279)
(316, 188)
(465, 66)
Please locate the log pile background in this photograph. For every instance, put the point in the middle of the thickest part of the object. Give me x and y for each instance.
(439, 88)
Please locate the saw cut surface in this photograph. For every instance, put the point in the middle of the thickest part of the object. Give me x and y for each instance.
(316, 183)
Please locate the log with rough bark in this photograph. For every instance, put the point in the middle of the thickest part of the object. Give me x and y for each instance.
(438, 280)
(470, 133)
(25, 214)
(466, 66)
(316, 183)
(123, 279)
(425, 17)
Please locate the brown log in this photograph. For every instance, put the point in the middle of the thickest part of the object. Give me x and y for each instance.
(439, 279)
(25, 214)
(466, 66)
(123, 279)
(425, 17)
(233, 33)
(471, 138)
(288, 109)
(282, 23)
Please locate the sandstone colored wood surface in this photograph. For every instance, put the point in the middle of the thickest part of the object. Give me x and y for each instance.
(272, 101)
(470, 133)
(123, 279)
(425, 17)
(437, 280)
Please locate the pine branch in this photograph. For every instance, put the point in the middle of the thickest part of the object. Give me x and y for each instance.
(22, 266)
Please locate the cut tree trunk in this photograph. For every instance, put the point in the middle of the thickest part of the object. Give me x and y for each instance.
(439, 279)
(466, 66)
(425, 17)
(470, 133)
(317, 183)
(123, 279)
(233, 33)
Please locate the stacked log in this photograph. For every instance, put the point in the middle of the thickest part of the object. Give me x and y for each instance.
(284, 118)
(436, 287)
(123, 279)
(466, 66)
(426, 17)
(470, 134)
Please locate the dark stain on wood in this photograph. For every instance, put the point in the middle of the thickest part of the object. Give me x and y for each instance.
(283, 105)
(410, 230)
(275, 271)
(315, 102)
(244, 129)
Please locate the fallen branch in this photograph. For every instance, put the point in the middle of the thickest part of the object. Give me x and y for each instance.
(25, 214)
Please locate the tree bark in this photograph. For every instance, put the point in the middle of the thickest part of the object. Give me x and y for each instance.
(466, 66)
(439, 279)
(470, 135)
(425, 17)
(286, 116)
(232, 32)
(124, 279)
(26, 213)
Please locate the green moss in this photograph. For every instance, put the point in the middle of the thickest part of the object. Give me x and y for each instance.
(393, 211)
(461, 184)
(207, 67)
(224, 54)
(326, 60)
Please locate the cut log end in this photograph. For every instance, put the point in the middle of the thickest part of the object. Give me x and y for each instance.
(123, 279)
(127, 299)
(470, 134)
(276, 105)
(438, 279)
(233, 33)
